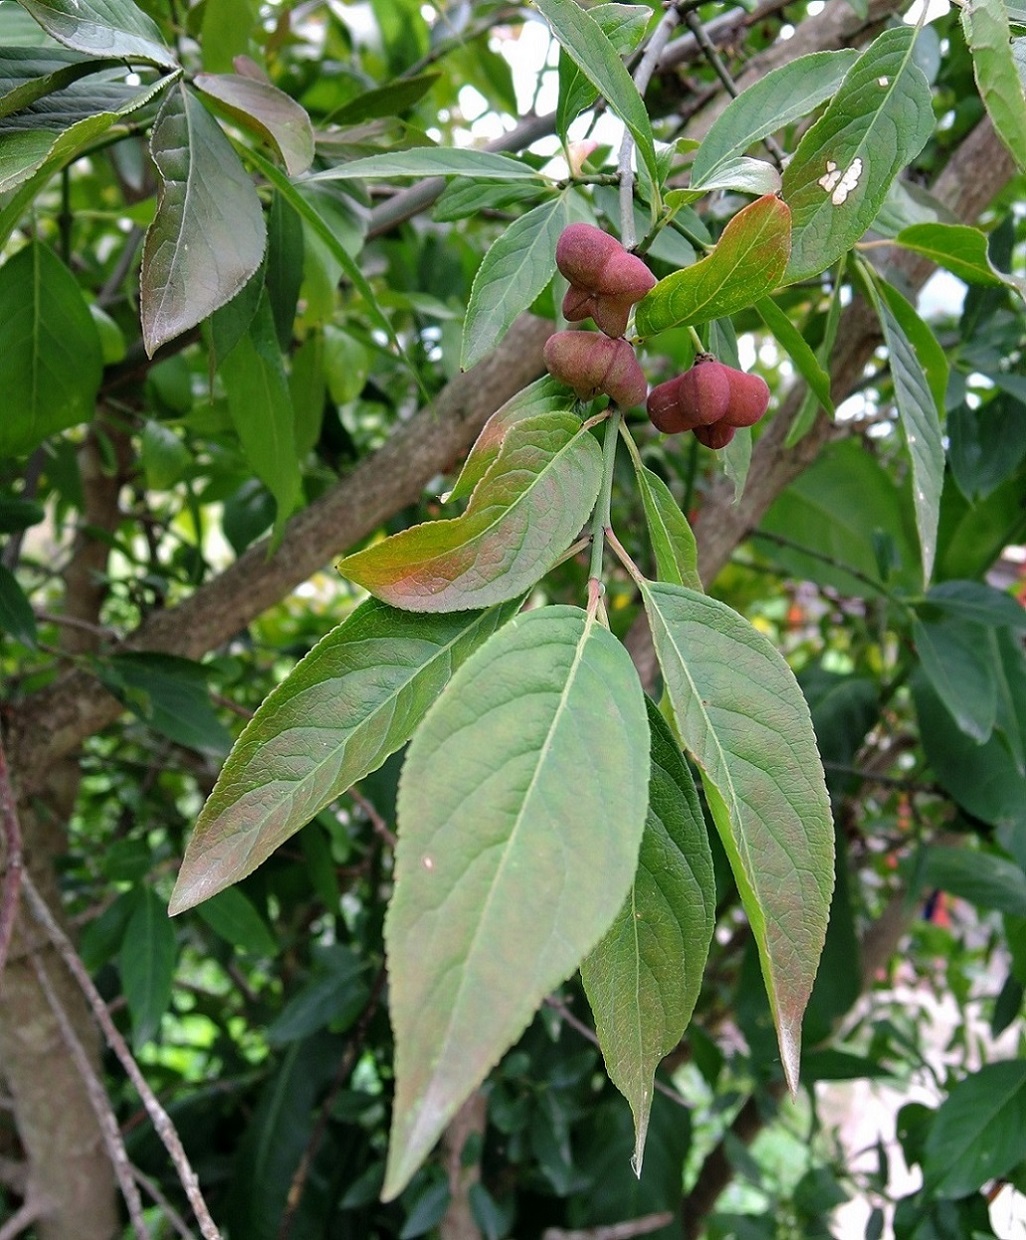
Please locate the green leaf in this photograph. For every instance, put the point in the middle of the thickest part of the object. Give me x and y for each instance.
(234, 917)
(670, 533)
(919, 412)
(768, 105)
(261, 410)
(50, 362)
(742, 716)
(986, 880)
(582, 39)
(794, 344)
(986, 445)
(430, 162)
(643, 978)
(117, 29)
(352, 701)
(521, 809)
(876, 124)
(516, 268)
(987, 32)
(284, 268)
(748, 261)
(208, 236)
(147, 962)
(960, 660)
(168, 693)
(976, 601)
(397, 97)
(30, 73)
(544, 395)
(979, 1132)
(335, 997)
(746, 175)
(521, 517)
(958, 249)
(268, 111)
(16, 615)
(624, 26)
(928, 350)
(464, 197)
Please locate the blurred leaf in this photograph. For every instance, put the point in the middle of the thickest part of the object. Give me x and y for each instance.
(769, 104)
(522, 516)
(748, 261)
(168, 693)
(114, 28)
(516, 268)
(50, 363)
(742, 717)
(960, 660)
(208, 235)
(984, 879)
(147, 961)
(957, 248)
(672, 538)
(163, 455)
(334, 996)
(583, 40)
(354, 699)
(979, 1132)
(875, 125)
(986, 445)
(392, 100)
(19, 514)
(494, 895)
(267, 111)
(794, 344)
(985, 23)
(16, 615)
(234, 917)
(643, 978)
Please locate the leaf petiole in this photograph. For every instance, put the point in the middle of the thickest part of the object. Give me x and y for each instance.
(600, 516)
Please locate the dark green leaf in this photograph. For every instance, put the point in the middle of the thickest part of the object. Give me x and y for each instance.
(392, 100)
(268, 111)
(524, 512)
(742, 717)
(16, 615)
(960, 660)
(986, 445)
(430, 162)
(673, 540)
(517, 266)
(208, 236)
(284, 270)
(533, 760)
(979, 1132)
(984, 879)
(113, 28)
(147, 961)
(19, 514)
(168, 693)
(50, 362)
(748, 261)
(877, 123)
(794, 344)
(354, 699)
(769, 104)
(334, 997)
(582, 39)
(643, 978)
(235, 918)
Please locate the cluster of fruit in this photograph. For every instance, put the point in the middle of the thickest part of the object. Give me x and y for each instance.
(711, 399)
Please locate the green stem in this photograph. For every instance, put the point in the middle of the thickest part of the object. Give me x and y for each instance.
(696, 339)
(600, 517)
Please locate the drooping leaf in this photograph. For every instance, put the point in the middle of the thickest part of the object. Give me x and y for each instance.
(430, 162)
(957, 248)
(16, 615)
(397, 97)
(544, 395)
(960, 659)
(643, 978)
(984, 879)
(928, 350)
(284, 267)
(876, 124)
(521, 518)
(670, 533)
(624, 26)
(987, 32)
(583, 40)
(261, 410)
(50, 358)
(31, 73)
(978, 602)
(979, 1131)
(521, 809)
(774, 101)
(920, 420)
(170, 694)
(234, 917)
(147, 962)
(334, 995)
(267, 110)
(354, 699)
(795, 345)
(518, 265)
(986, 445)
(208, 236)
(742, 716)
(748, 261)
(117, 29)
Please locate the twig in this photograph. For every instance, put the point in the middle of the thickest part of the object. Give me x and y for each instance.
(21, 1220)
(173, 1217)
(613, 1231)
(165, 1129)
(10, 833)
(378, 824)
(99, 1101)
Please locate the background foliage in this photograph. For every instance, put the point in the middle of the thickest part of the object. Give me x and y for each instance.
(246, 251)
